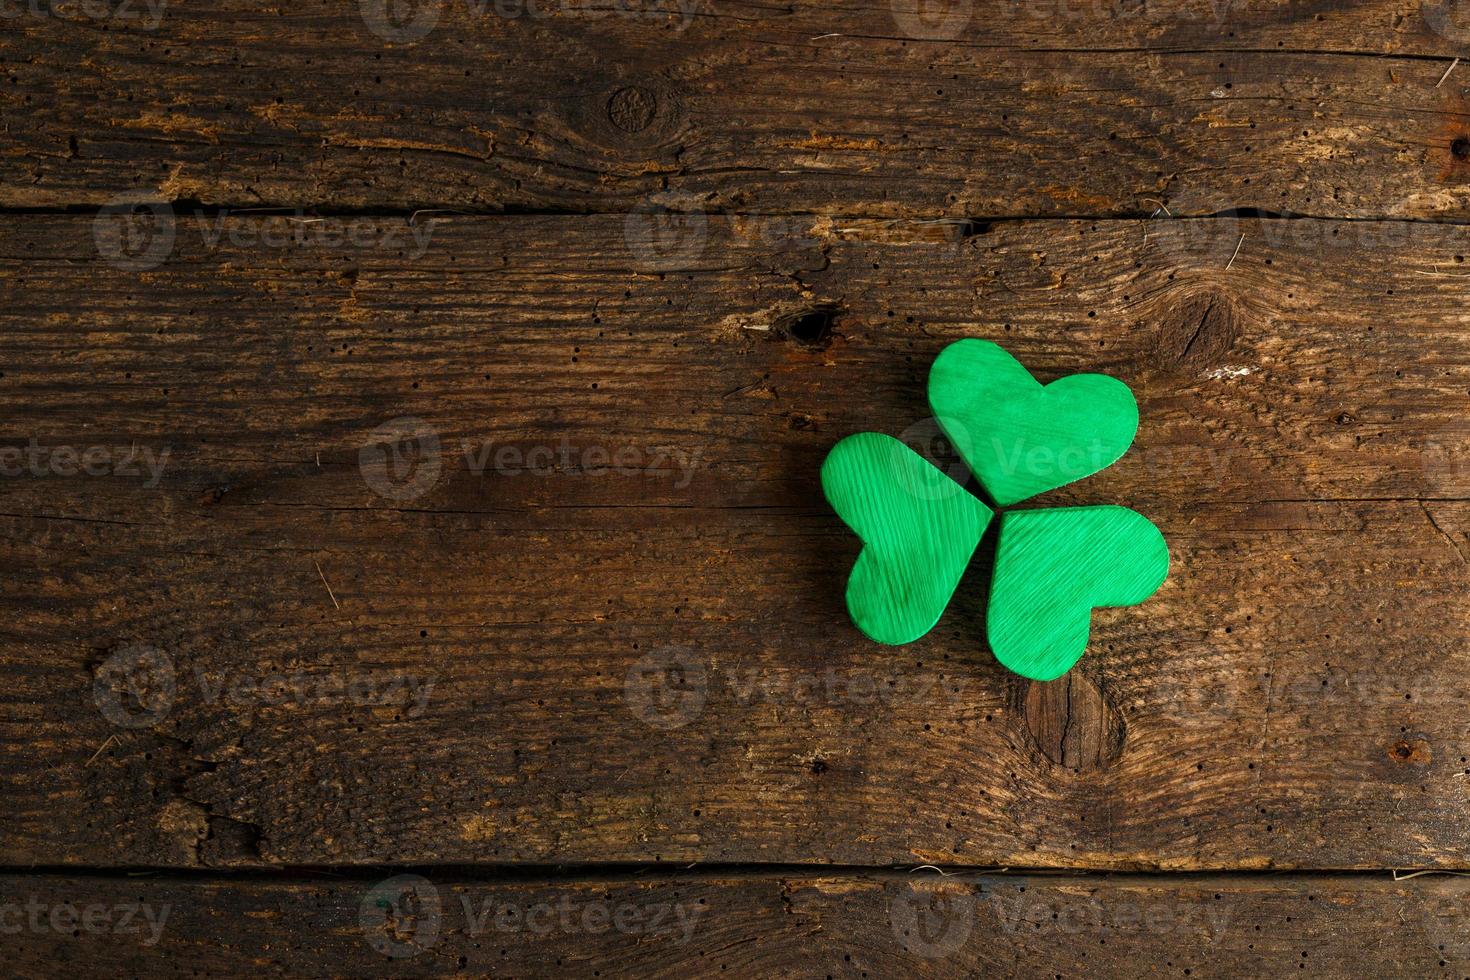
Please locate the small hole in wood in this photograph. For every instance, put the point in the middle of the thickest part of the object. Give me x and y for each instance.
(1461, 147)
(809, 328)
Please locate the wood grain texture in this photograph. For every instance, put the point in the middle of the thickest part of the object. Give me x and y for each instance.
(1053, 566)
(795, 924)
(919, 529)
(637, 659)
(1106, 108)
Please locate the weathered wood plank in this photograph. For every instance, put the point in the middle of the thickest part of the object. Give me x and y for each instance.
(1107, 108)
(650, 660)
(728, 924)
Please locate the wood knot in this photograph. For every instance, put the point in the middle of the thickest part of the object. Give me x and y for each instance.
(1198, 332)
(1072, 723)
(801, 422)
(632, 108)
(1410, 752)
(213, 495)
(641, 116)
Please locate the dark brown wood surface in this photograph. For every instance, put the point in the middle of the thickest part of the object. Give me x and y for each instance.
(794, 924)
(1301, 460)
(1036, 107)
(408, 466)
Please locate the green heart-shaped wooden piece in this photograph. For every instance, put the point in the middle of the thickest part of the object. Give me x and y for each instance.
(1052, 567)
(1021, 438)
(918, 526)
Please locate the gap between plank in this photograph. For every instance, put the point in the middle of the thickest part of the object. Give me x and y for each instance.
(193, 207)
(642, 871)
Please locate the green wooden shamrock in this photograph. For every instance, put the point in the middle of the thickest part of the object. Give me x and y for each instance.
(1052, 567)
(920, 528)
(1018, 437)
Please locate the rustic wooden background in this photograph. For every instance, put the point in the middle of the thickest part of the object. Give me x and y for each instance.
(563, 684)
